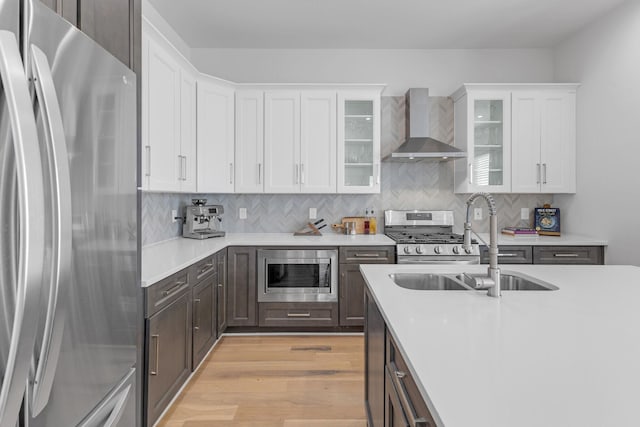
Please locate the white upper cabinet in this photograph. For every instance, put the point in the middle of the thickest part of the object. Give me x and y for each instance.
(215, 136)
(169, 118)
(483, 130)
(318, 142)
(187, 167)
(162, 113)
(249, 168)
(282, 141)
(518, 138)
(359, 141)
(544, 141)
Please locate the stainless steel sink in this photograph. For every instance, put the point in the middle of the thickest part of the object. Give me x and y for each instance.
(427, 282)
(512, 281)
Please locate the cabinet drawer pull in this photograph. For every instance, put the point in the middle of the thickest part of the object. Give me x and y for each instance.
(470, 173)
(508, 255)
(230, 173)
(175, 288)
(205, 269)
(157, 348)
(544, 173)
(196, 304)
(566, 255)
(367, 255)
(259, 173)
(410, 412)
(219, 285)
(298, 314)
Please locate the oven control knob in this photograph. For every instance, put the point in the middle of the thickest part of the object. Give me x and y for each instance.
(438, 249)
(468, 250)
(420, 250)
(456, 250)
(407, 250)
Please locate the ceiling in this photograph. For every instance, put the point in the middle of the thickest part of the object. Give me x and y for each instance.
(378, 24)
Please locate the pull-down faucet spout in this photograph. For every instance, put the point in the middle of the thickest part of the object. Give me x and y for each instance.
(492, 281)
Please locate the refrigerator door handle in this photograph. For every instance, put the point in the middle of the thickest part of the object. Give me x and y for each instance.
(60, 270)
(30, 250)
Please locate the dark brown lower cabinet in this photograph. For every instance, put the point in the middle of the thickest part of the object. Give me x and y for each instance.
(392, 397)
(221, 291)
(374, 360)
(351, 295)
(168, 352)
(298, 314)
(242, 287)
(568, 255)
(540, 254)
(351, 286)
(204, 318)
(402, 393)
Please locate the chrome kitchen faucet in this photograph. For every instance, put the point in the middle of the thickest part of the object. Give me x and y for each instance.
(491, 282)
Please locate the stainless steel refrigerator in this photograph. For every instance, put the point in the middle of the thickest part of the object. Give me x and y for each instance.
(68, 226)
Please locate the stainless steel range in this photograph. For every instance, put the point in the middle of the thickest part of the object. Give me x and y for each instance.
(427, 237)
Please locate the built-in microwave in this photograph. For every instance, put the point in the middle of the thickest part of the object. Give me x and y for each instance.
(297, 275)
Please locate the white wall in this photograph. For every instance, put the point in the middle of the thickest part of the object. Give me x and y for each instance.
(605, 58)
(442, 71)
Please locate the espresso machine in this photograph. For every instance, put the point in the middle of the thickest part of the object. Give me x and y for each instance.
(202, 221)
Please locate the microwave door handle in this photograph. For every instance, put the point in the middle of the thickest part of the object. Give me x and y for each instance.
(28, 253)
(61, 236)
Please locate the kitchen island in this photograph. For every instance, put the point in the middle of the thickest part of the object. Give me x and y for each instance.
(555, 358)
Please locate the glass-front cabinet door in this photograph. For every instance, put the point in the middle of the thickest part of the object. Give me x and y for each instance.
(359, 142)
(488, 143)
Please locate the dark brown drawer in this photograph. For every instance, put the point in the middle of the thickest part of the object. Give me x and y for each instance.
(368, 254)
(163, 293)
(509, 255)
(203, 269)
(406, 386)
(568, 255)
(298, 314)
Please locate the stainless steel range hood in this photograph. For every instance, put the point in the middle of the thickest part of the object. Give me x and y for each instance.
(419, 145)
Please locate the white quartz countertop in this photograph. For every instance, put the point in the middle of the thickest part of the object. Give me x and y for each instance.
(562, 358)
(165, 258)
(563, 240)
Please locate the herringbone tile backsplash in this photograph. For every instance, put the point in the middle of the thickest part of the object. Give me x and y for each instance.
(404, 186)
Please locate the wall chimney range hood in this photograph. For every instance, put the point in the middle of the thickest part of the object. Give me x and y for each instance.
(419, 145)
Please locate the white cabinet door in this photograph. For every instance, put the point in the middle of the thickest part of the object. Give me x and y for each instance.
(558, 141)
(358, 142)
(282, 142)
(249, 146)
(187, 157)
(215, 137)
(163, 120)
(544, 142)
(525, 145)
(487, 140)
(318, 142)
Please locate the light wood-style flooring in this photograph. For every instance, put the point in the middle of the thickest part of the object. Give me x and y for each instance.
(269, 381)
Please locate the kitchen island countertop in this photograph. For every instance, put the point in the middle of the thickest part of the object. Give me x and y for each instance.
(554, 358)
(162, 259)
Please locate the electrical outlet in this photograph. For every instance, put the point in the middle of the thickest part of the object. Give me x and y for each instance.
(242, 213)
(174, 214)
(524, 213)
(313, 213)
(477, 213)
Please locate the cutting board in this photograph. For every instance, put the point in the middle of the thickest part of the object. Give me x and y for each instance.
(359, 220)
